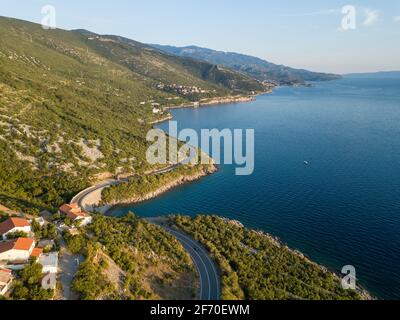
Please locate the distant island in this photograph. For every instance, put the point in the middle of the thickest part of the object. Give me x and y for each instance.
(378, 75)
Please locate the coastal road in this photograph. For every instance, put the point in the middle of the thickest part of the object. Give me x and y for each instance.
(210, 286)
(90, 197)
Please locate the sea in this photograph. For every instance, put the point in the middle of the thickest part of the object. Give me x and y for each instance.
(326, 178)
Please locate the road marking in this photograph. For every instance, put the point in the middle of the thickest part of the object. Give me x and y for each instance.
(209, 260)
(190, 244)
(205, 266)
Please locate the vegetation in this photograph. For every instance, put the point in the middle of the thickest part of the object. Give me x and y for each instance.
(75, 243)
(16, 235)
(137, 188)
(75, 106)
(152, 261)
(251, 66)
(48, 231)
(90, 282)
(28, 286)
(255, 266)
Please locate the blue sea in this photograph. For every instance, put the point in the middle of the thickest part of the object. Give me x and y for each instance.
(341, 209)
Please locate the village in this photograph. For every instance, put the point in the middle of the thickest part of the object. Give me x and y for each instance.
(182, 89)
(27, 241)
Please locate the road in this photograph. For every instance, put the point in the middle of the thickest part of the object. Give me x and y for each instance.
(210, 286)
(69, 264)
(90, 197)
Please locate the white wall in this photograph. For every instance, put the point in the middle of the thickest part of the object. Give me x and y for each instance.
(5, 289)
(27, 230)
(85, 221)
(15, 255)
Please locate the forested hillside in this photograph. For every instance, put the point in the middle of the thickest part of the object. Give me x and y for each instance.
(74, 105)
(251, 66)
(256, 266)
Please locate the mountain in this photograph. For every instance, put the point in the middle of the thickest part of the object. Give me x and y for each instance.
(253, 67)
(378, 75)
(77, 105)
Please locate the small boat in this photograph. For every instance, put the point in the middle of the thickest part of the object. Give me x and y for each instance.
(306, 163)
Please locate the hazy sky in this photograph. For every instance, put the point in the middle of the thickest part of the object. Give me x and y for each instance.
(305, 34)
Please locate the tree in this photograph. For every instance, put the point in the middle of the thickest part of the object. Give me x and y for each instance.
(29, 286)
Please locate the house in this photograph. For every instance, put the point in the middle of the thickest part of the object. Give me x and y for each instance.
(36, 253)
(18, 250)
(6, 279)
(13, 225)
(49, 262)
(75, 213)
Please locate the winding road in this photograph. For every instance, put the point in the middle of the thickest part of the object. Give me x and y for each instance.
(210, 286)
(91, 197)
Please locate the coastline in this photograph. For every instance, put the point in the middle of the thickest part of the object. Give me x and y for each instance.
(192, 178)
(180, 181)
(276, 241)
(219, 101)
(107, 208)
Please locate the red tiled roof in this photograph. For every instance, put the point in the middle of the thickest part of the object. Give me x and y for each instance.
(36, 253)
(6, 246)
(73, 211)
(6, 271)
(12, 223)
(74, 205)
(23, 244)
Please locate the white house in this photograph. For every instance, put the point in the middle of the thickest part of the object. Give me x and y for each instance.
(13, 225)
(49, 262)
(6, 279)
(16, 251)
(75, 213)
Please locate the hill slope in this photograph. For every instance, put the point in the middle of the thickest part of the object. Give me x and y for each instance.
(254, 67)
(74, 104)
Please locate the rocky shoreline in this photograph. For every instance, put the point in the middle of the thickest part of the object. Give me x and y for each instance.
(281, 245)
(184, 179)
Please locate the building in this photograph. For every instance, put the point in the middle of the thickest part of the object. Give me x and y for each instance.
(17, 251)
(6, 279)
(13, 225)
(49, 262)
(75, 213)
(36, 253)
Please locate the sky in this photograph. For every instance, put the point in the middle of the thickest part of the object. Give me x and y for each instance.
(304, 34)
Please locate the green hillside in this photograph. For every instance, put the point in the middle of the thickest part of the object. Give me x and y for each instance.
(253, 67)
(74, 104)
(256, 266)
